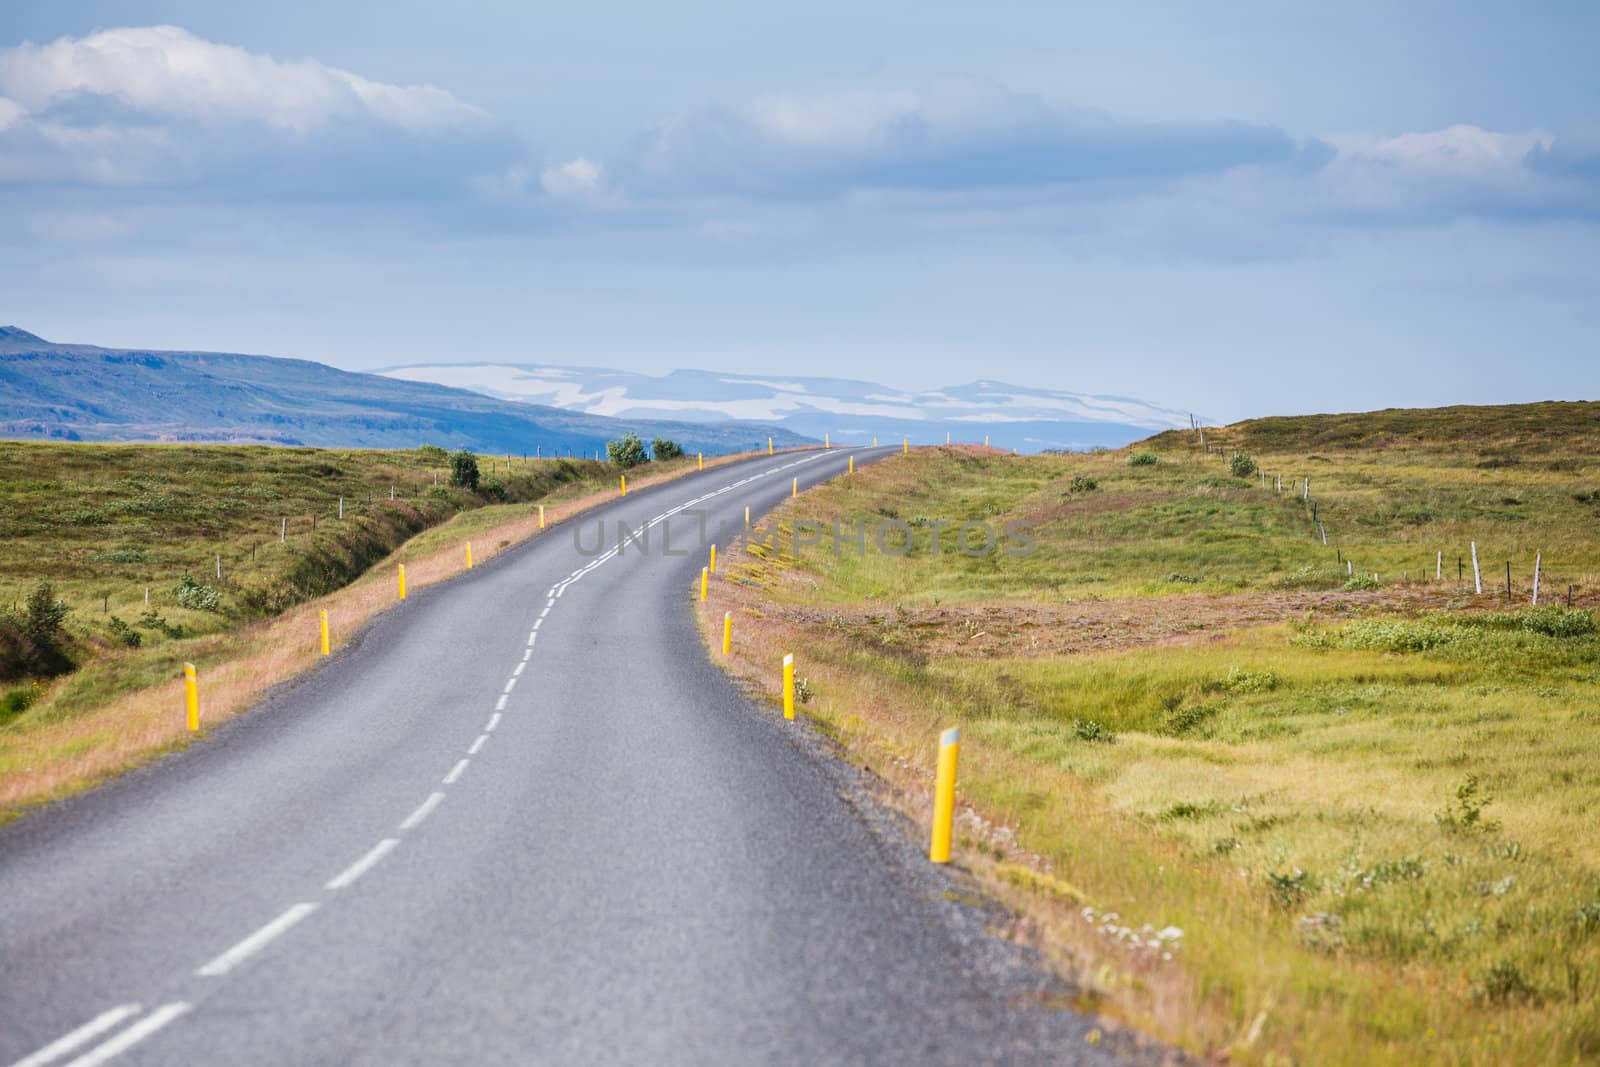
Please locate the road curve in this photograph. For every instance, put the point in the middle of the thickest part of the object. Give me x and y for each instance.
(520, 819)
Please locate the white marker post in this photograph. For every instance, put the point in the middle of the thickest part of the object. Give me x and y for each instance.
(1477, 579)
(1538, 558)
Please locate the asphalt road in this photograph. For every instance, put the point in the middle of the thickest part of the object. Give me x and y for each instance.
(459, 842)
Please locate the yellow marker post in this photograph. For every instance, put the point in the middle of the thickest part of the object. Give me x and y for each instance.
(713, 567)
(705, 575)
(700, 460)
(947, 437)
(541, 516)
(191, 696)
(985, 440)
(826, 441)
(769, 446)
(324, 615)
(874, 442)
(624, 479)
(747, 514)
(402, 581)
(727, 632)
(788, 686)
(852, 464)
(469, 555)
(796, 490)
(944, 795)
(905, 446)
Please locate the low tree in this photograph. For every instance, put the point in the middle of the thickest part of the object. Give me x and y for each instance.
(661, 448)
(627, 452)
(464, 470)
(42, 617)
(1240, 465)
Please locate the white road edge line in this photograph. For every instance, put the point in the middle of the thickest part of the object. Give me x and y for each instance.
(511, 683)
(456, 772)
(500, 705)
(81, 1036)
(255, 942)
(494, 720)
(423, 811)
(520, 668)
(362, 865)
(132, 1035)
(482, 740)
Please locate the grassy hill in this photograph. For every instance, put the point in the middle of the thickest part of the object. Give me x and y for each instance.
(87, 393)
(1364, 792)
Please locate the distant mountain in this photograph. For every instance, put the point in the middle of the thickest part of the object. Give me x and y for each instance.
(1013, 416)
(87, 393)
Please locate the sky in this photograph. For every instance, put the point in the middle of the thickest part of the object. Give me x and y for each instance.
(1259, 208)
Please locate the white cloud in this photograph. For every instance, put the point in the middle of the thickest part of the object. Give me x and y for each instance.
(574, 179)
(168, 71)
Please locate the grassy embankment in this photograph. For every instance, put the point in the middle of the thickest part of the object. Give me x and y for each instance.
(1372, 812)
(103, 523)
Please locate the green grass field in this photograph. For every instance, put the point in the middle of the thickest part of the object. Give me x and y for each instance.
(112, 525)
(1371, 807)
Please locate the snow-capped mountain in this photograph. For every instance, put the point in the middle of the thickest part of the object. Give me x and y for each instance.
(1012, 416)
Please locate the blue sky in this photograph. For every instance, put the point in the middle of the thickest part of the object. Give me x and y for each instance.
(1291, 208)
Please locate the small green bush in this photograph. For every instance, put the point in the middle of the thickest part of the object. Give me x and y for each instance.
(1360, 581)
(1556, 621)
(661, 448)
(1241, 465)
(124, 633)
(432, 452)
(1092, 730)
(627, 452)
(191, 594)
(1082, 483)
(1143, 459)
(1503, 983)
(464, 471)
(1466, 814)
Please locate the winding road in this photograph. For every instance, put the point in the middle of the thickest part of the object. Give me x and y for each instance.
(521, 818)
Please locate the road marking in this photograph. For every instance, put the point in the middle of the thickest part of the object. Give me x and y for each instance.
(545, 612)
(500, 705)
(132, 1035)
(456, 772)
(511, 683)
(482, 740)
(255, 942)
(81, 1036)
(526, 654)
(423, 811)
(494, 720)
(536, 623)
(520, 668)
(362, 865)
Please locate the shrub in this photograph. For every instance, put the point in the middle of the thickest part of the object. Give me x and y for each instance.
(1238, 681)
(1082, 483)
(1092, 730)
(661, 448)
(1288, 889)
(464, 470)
(43, 615)
(20, 700)
(1241, 465)
(1185, 579)
(191, 594)
(1466, 815)
(1360, 581)
(125, 633)
(432, 452)
(1143, 459)
(493, 488)
(627, 452)
(1555, 621)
